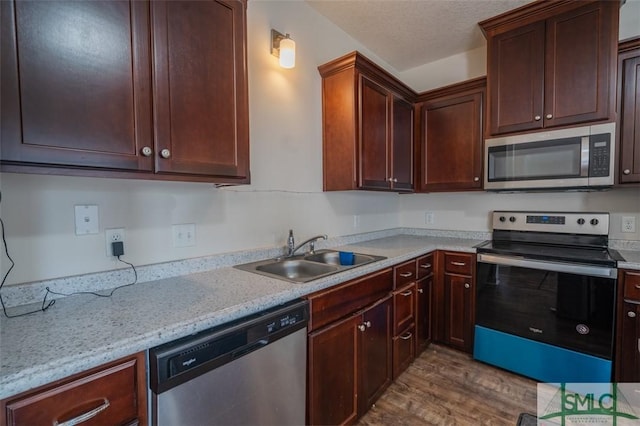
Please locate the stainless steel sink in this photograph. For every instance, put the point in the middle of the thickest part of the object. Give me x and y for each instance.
(304, 268)
(297, 270)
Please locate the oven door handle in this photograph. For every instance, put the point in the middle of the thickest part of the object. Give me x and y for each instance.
(571, 268)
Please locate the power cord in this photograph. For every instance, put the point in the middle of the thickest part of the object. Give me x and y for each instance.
(47, 304)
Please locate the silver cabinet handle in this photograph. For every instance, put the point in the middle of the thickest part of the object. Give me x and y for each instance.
(406, 274)
(86, 416)
(637, 286)
(537, 118)
(146, 151)
(421, 290)
(165, 153)
(361, 327)
(395, 180)
(476, 179)
(626, 171)
(406, 336)
(631, 314)
(406, 293)
(467, 285)
(459, 263)
(367, 324)
(548, 116)
(425, 266)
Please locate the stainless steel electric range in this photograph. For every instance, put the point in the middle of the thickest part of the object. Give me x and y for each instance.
(545, 296)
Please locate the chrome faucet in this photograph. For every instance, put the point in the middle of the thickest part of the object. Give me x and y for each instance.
(292, 248)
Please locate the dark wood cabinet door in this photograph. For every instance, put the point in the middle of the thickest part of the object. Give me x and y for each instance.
(459, 319)
(76, 84)
(579, 71)
(423, 313)
(628, 346)
(451, 152)
(332, 373)
(515, 79)
(200, 97)
(629, 123)
(375, 355)
(404, 305)
(402, 145)
(374, 135)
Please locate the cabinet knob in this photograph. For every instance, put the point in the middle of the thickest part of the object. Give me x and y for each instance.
(395, 180)
(476, 179)
(467, 285)
(537, 118)
(146, 151)
(631, 314)
(549, 116)
(361, 327)
(165, 153)
(367, 324)
(626, 171)
(421, 290)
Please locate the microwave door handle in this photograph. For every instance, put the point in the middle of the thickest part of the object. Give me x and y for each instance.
(584, 156)
(592, 271)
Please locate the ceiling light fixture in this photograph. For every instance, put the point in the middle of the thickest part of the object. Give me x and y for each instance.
(284, 48)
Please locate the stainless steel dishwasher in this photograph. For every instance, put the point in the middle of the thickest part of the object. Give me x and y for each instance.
(251, 371)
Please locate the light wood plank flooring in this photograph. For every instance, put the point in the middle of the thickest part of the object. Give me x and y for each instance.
(447, 387)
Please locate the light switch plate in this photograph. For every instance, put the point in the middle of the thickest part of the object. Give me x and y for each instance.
(86, 217)
(184, 235)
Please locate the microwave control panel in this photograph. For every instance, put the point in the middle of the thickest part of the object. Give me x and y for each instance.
(599, 155)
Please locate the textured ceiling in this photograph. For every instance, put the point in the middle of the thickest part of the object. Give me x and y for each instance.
(407, 34)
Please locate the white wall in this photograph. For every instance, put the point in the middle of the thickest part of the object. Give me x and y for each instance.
(286, 166)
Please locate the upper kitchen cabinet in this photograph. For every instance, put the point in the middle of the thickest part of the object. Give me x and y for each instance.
(368, 123)
(79, 96)
(629, 111)
(450, 148)
(551, 64)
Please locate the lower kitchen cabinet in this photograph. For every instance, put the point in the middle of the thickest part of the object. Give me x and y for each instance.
(627, 368)
(349, 350)
(404, 325)
(454, 300)
(424, 288)
(113, 394)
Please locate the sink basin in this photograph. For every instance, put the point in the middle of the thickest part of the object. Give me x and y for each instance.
(333, 258)
(304, 268)
(296, 270)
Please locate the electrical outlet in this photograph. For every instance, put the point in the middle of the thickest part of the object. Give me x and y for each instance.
(429, 218)
(184, 235)
(628, 224)
(111, 236)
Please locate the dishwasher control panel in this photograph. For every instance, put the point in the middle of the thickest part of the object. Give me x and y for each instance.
(179, 361)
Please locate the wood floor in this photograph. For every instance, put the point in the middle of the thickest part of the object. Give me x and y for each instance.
(447, 387)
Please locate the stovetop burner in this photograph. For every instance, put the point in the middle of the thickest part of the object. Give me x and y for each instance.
(556, 236)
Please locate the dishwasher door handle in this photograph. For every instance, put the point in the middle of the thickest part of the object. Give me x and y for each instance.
(249, 348)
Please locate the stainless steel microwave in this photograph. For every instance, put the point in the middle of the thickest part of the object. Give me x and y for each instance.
(575, 158)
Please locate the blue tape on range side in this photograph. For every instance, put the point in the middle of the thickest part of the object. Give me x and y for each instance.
(540, 361)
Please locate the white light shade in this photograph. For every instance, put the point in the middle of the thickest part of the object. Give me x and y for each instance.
(287, 53)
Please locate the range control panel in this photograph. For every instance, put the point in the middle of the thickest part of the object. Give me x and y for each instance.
(588, 223)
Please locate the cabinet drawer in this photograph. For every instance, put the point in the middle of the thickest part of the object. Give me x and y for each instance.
(404, 273)
(332, 304)
(632, 286)
(458, 263)
(404, 302)
(403, 350)
(107, 395)
(425, 265)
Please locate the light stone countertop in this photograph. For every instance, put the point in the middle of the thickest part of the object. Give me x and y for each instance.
(631, 259)
(83, 331)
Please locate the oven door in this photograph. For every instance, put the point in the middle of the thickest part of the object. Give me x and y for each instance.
(565, 305)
